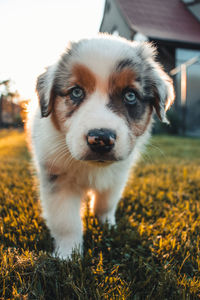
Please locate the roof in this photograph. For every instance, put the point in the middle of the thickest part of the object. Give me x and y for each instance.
(161, 20)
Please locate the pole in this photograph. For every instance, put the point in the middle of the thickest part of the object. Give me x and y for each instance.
(1, 106)
(184, 97)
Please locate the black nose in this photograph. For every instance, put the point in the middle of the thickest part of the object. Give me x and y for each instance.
(101, 140)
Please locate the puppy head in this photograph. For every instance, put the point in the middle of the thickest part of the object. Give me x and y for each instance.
(101, 95)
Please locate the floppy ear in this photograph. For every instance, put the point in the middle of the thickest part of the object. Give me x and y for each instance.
(160, 84)
(163, 92)
(44, 90)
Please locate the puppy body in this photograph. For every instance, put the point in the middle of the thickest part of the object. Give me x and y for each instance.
(95, 115)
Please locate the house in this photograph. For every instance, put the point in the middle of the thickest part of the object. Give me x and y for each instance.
(174, 27)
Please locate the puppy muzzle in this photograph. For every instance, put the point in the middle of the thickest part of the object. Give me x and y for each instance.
(101, 140)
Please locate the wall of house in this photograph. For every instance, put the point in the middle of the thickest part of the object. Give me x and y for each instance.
(113, 21)
(193, 91)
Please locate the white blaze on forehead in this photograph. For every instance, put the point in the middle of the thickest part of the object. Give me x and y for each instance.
(101, 55)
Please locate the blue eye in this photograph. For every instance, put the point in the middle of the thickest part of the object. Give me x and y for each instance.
(77, 94)
(129, 96)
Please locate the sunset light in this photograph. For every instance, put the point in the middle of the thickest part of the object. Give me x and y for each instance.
(91, 195)
(35, 33)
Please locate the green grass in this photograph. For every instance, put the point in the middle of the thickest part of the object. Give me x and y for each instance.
(153, 253)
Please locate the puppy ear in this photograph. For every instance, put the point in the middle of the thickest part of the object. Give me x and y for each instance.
(44, 91)
(163, 92)
(159, 83)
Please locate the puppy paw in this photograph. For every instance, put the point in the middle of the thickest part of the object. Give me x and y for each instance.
(65, 248)
(108, 217)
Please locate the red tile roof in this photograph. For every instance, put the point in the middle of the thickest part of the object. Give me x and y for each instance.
(161, 19)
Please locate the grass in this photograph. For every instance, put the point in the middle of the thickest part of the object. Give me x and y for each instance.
(152, 253)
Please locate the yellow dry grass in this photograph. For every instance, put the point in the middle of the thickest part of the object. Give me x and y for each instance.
(152, 253)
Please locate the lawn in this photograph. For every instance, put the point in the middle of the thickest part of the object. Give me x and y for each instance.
(152, 253)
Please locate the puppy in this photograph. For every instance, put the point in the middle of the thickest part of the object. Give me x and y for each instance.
(94, 116)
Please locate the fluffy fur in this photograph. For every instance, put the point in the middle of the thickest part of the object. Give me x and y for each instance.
(104, 68)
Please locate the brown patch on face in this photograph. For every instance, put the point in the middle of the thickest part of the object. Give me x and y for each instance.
(62, 106)
(83, 77)
(53, 110)
(138, 115)
(140, 126)
(59, 113)
(55, 121)
(120, 80)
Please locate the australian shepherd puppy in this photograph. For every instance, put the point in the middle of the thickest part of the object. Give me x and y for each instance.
(94, 115)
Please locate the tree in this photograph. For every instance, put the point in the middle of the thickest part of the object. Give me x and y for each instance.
(7, 96)
(5, 83)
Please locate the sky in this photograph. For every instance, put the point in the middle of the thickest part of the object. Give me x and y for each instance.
(35, 32)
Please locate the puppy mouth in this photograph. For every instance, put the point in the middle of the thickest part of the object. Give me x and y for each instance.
(99, 158)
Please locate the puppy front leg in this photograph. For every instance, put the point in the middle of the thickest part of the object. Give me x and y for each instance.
(106, 203)
(61, 209)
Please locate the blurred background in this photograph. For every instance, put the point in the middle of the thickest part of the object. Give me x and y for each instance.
(34, 33)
